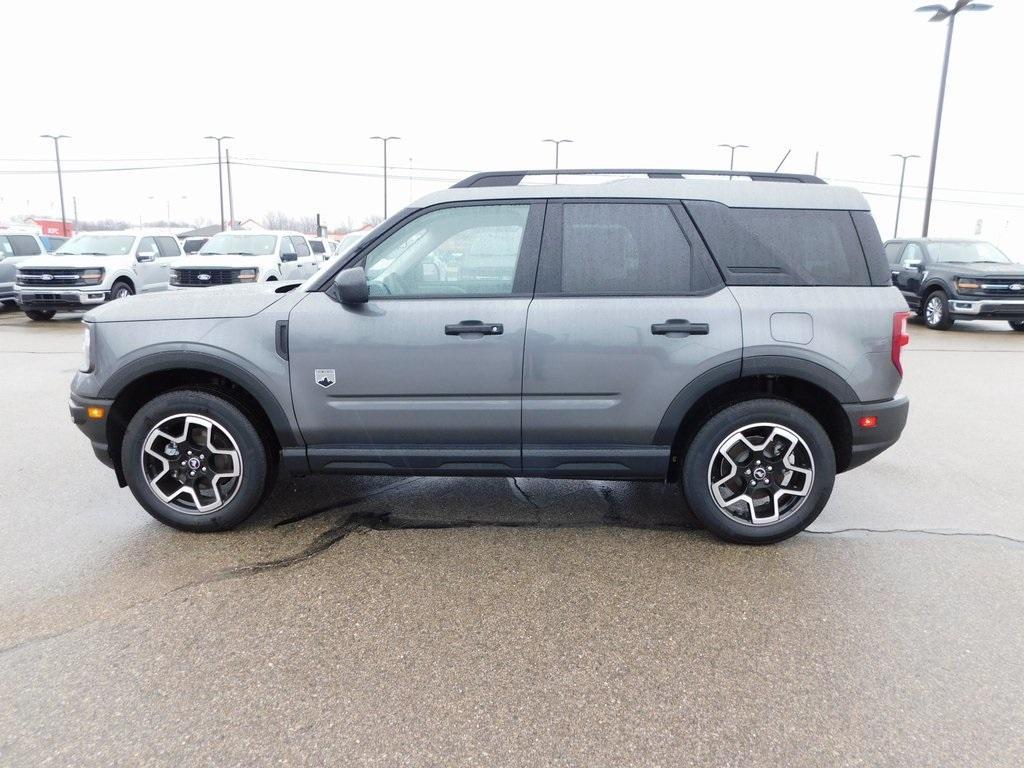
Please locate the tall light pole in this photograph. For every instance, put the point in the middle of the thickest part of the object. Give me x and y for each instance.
(732, 151)
(899, 197)
(557, 143)
(384, 140)
(220, 175)
(942, 14)
(60, 178)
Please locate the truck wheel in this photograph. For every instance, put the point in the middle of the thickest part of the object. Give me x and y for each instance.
(121, 290)
(1017, 325)
(759, 471)
(936, 311)
(194, 461)
(40, 314)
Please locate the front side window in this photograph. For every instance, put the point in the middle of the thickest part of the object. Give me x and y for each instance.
(317, 246)
(236, 244)
(624, 249)
(468, 250)
(24, 245)
(97, 245)
(147, 246)
(911, 255)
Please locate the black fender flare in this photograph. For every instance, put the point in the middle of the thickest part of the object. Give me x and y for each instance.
(734, 370)
(203, 361)
(936, 282)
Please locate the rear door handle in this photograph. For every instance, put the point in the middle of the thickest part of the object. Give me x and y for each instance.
(474, 326)
(683, 327)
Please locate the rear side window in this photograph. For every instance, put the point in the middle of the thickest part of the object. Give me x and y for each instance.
(24, 245)
(775, 246)
(317, 246)
(892, 252)
(168, 246)
(623, 248)
(300, 246)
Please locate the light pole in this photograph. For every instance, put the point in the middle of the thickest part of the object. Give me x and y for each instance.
(556, 142)
(60, 178)
(899, 197)
(384, 140)
(220, 175)
(942, 14)
(732, 151)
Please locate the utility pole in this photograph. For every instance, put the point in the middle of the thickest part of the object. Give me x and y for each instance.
(899, 197)
(74, 206)
(557, 143)
(231, 196)
(732, 152)
(815, 162)
(384, 140)
(220, 175)
(942, 14)
(60, 179)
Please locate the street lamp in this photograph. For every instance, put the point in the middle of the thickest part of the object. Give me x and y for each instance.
(60, 178)
(556, 142)
(384, 140)
(942, 14)
(732, 151)
(220, 176)
(899, 197)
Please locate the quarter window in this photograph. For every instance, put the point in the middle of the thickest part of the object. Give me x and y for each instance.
(459, 251)
(168, 247)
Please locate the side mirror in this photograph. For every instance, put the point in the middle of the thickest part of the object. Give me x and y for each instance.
(145, 256)
(350, 286)
(289, 257)
(914, 265)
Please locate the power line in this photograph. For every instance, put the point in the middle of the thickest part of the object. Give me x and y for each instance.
(951, 202)
(109, 170)
(922, 186)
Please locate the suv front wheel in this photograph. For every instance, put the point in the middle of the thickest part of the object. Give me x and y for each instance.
(759, 471)
(195, 461)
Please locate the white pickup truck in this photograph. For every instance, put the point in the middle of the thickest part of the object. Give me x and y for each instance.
(246, 256)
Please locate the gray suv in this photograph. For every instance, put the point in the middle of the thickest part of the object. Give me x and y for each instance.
(741, 337)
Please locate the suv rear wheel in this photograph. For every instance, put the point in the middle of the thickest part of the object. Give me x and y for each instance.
(936, 311)
(195, 461)
(759, 471)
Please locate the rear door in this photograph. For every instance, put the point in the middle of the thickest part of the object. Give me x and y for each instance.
(427, 376)
(169, 251)
(629, 309)
(306, 261)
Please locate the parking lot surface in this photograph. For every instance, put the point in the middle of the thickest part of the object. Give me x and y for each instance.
(427, 621)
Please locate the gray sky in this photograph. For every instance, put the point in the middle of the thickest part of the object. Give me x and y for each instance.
(477, 85)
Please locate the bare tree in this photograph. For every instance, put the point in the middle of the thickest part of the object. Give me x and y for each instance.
(281, 220)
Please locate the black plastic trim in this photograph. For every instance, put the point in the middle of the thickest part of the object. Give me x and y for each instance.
(690, 394)
(814, 373)
(514, 178)
(609, 462)
(869, 442)
(416, 459)
(281, 339)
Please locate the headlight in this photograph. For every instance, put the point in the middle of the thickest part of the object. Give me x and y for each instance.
(247, 275)
(967, 284)
(175, 278)
(91, 276)
(19, 278)
(86, 365)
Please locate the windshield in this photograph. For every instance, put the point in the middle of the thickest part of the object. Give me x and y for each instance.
(237, 244)
(967, 252)
(97, 245)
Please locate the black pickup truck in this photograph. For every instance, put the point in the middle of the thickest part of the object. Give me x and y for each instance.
(949, 280)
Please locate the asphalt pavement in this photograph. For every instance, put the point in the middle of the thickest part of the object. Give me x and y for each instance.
(428, 621)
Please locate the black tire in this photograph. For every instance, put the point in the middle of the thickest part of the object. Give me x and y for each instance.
(121, 289)
(1017, 325)
(40, 314)
(252, 487)
(703, 450)
(941, 319)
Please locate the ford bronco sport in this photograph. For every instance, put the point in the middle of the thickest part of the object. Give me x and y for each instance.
(741, 337)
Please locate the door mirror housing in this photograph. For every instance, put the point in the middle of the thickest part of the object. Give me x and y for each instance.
(289, 257)
(145, 256)
(916, 264)
(350, 286)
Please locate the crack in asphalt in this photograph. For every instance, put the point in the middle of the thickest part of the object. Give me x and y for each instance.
(925, 531)
(520, 494)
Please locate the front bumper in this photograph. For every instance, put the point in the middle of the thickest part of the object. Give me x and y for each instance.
(66, 299)
(987, 309)
(94, 429)
(868, 442)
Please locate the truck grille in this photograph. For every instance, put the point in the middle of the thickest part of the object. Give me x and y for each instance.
(1003, 287)
(201, 278)
(50, 278)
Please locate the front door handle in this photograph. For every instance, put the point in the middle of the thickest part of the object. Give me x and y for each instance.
(474, 326)
(682, 327)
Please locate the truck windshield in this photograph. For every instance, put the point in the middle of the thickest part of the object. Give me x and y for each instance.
(967, 252)
(236, 244)
(97, 245)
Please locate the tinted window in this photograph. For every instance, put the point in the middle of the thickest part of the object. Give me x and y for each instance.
(317, 246)
(6, 249)
(773, 246)
(912, 254)
(300, 246)
(623, 248)
(147, 245)
(465, 250)
(892, 252)
(24, 245)
(193, 246)
(168, 246)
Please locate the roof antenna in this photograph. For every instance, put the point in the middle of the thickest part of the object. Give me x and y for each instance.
(782, 160)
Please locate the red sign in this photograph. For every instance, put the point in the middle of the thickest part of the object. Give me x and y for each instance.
(53, 227)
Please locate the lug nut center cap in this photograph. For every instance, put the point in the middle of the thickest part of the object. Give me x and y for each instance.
(194, 463)
(760, 473)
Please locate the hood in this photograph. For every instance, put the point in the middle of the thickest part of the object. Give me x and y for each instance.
(981, 270)
(204, 261)
(219, 302)
(49, 261)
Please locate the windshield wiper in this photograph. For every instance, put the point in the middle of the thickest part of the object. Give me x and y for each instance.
(84, 253)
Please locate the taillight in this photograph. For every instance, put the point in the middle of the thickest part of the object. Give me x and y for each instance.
(900, 339)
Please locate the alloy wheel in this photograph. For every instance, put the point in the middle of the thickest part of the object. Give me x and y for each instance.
(192, 464)
(761, 474)
(934, 310)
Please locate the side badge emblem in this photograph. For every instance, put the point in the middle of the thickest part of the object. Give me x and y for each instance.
(324, 377)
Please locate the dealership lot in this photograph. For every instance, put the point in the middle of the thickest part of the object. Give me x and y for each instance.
(431, 621)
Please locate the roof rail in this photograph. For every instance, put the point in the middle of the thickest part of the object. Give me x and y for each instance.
(514, 178)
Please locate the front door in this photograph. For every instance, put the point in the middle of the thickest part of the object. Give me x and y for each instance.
(908, 273)
(151, 273)
(427, 376)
